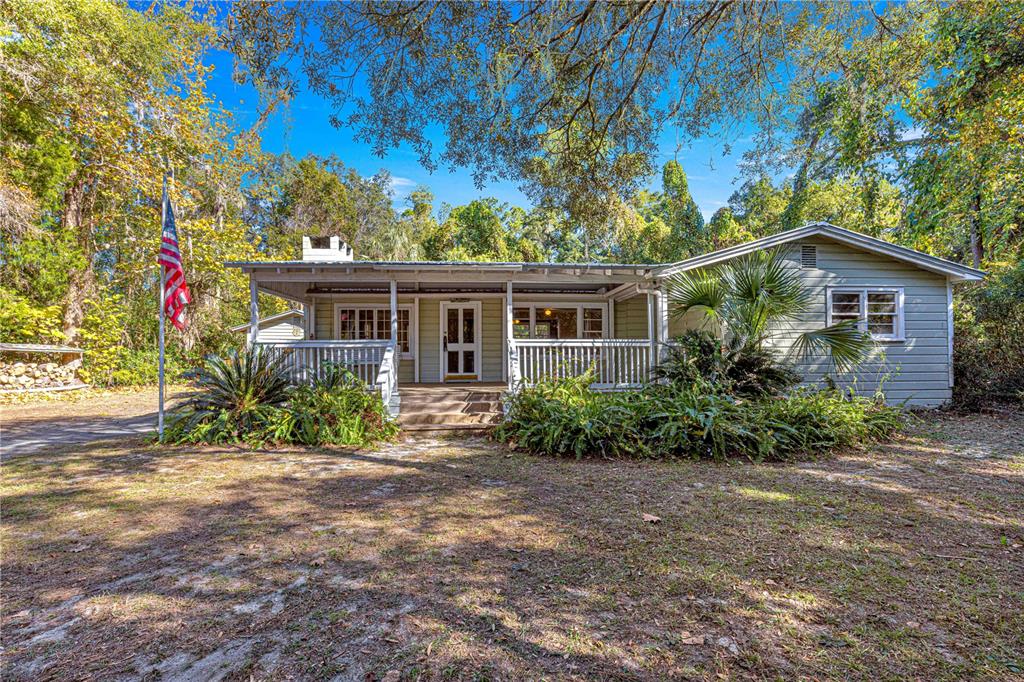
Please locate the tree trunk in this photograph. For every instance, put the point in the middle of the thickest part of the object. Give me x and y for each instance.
(81, 282)
(977, 240)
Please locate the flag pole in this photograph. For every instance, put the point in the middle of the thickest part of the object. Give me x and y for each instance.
(160, 276)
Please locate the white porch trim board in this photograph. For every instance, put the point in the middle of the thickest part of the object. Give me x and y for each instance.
(254, 311)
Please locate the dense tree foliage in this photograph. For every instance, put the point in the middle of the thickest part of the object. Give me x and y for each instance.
(569, 95)
(97, 101)
(902, 121)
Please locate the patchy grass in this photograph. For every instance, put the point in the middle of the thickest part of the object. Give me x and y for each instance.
(462, 560)
(129, 401)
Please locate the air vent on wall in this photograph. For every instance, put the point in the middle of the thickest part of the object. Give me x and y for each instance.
(808, 256)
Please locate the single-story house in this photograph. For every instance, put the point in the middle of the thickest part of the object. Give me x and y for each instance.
(406, 323)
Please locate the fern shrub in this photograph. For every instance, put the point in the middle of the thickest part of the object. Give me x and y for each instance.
(689, 420)
(336, 410)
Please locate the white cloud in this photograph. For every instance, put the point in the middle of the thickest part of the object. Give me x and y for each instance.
(398, 182)
(914, 133)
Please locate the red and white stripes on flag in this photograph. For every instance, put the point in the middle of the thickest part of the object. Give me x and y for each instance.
(176, 294)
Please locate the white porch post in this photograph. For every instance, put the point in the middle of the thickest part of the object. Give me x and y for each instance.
(652, 333)
(508, 329)
(394, 313)
(254, 311)
(661, 301)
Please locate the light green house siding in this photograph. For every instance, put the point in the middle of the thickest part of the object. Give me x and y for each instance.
(430, 340)
(915, 370)
(631, 318)
(492, 339)
(691, 319)
(429, 334)
(493, 327)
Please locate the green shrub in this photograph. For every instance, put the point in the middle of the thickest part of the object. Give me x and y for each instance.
(689, 420)
(142, 368)
(22, 321)
(336, 410)
(236, 398)
(808, 421)
(748, 371)
(102, 338)
(565, 418)
(248, 399)
(988, 355)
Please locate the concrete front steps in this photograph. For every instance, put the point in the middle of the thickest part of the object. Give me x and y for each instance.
(450, 407)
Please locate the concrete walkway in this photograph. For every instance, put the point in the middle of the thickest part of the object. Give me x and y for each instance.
(27, 437)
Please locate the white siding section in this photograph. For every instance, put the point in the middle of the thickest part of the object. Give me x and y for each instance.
(288, 330)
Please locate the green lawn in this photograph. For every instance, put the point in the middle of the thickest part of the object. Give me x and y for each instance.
(462, 560)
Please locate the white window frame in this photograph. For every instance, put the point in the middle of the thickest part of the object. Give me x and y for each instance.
(413, 325)
(533, 307)
(862, 319)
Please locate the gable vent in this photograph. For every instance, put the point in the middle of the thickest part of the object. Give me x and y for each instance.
(808, 256)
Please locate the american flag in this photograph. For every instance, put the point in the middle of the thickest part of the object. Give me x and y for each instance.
(176, 294)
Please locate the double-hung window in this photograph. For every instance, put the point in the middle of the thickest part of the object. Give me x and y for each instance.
(876, 310)
(356, 323)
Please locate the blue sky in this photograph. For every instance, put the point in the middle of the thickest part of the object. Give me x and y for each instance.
(304, 127)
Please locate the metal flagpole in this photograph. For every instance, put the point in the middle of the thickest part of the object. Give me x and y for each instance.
(160, 276)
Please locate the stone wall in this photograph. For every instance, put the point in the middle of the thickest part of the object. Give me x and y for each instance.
(20, 375)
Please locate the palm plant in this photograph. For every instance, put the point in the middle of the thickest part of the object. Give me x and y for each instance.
(756, 298)
(234, 392)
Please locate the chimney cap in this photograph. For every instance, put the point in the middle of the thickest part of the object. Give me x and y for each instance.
(326, 249)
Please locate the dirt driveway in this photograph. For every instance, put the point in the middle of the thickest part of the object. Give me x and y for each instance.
(461, 560)
(77, 418)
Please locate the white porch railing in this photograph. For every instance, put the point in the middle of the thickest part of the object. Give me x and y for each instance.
(306, 360)
(387, 375)
(616, 363)
(515, 373)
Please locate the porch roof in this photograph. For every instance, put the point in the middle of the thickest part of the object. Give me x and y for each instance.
(641, 269)
(301, 280)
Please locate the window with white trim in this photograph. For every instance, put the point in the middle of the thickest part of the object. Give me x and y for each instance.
(557, 321)
(357, 324)
(876, 310)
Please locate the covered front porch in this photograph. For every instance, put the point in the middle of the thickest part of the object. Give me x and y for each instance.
(400, 324)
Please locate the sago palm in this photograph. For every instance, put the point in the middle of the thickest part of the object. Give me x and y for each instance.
(756, 298)
(236, 390)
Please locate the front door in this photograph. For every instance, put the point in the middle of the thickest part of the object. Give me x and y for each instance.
(460, 341)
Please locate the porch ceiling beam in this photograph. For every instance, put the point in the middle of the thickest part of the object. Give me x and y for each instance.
(559, 295)
(288, 296)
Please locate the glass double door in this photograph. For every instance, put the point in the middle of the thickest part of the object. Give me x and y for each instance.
(460, 343)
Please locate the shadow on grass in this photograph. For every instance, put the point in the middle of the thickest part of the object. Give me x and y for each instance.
(455, 560)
